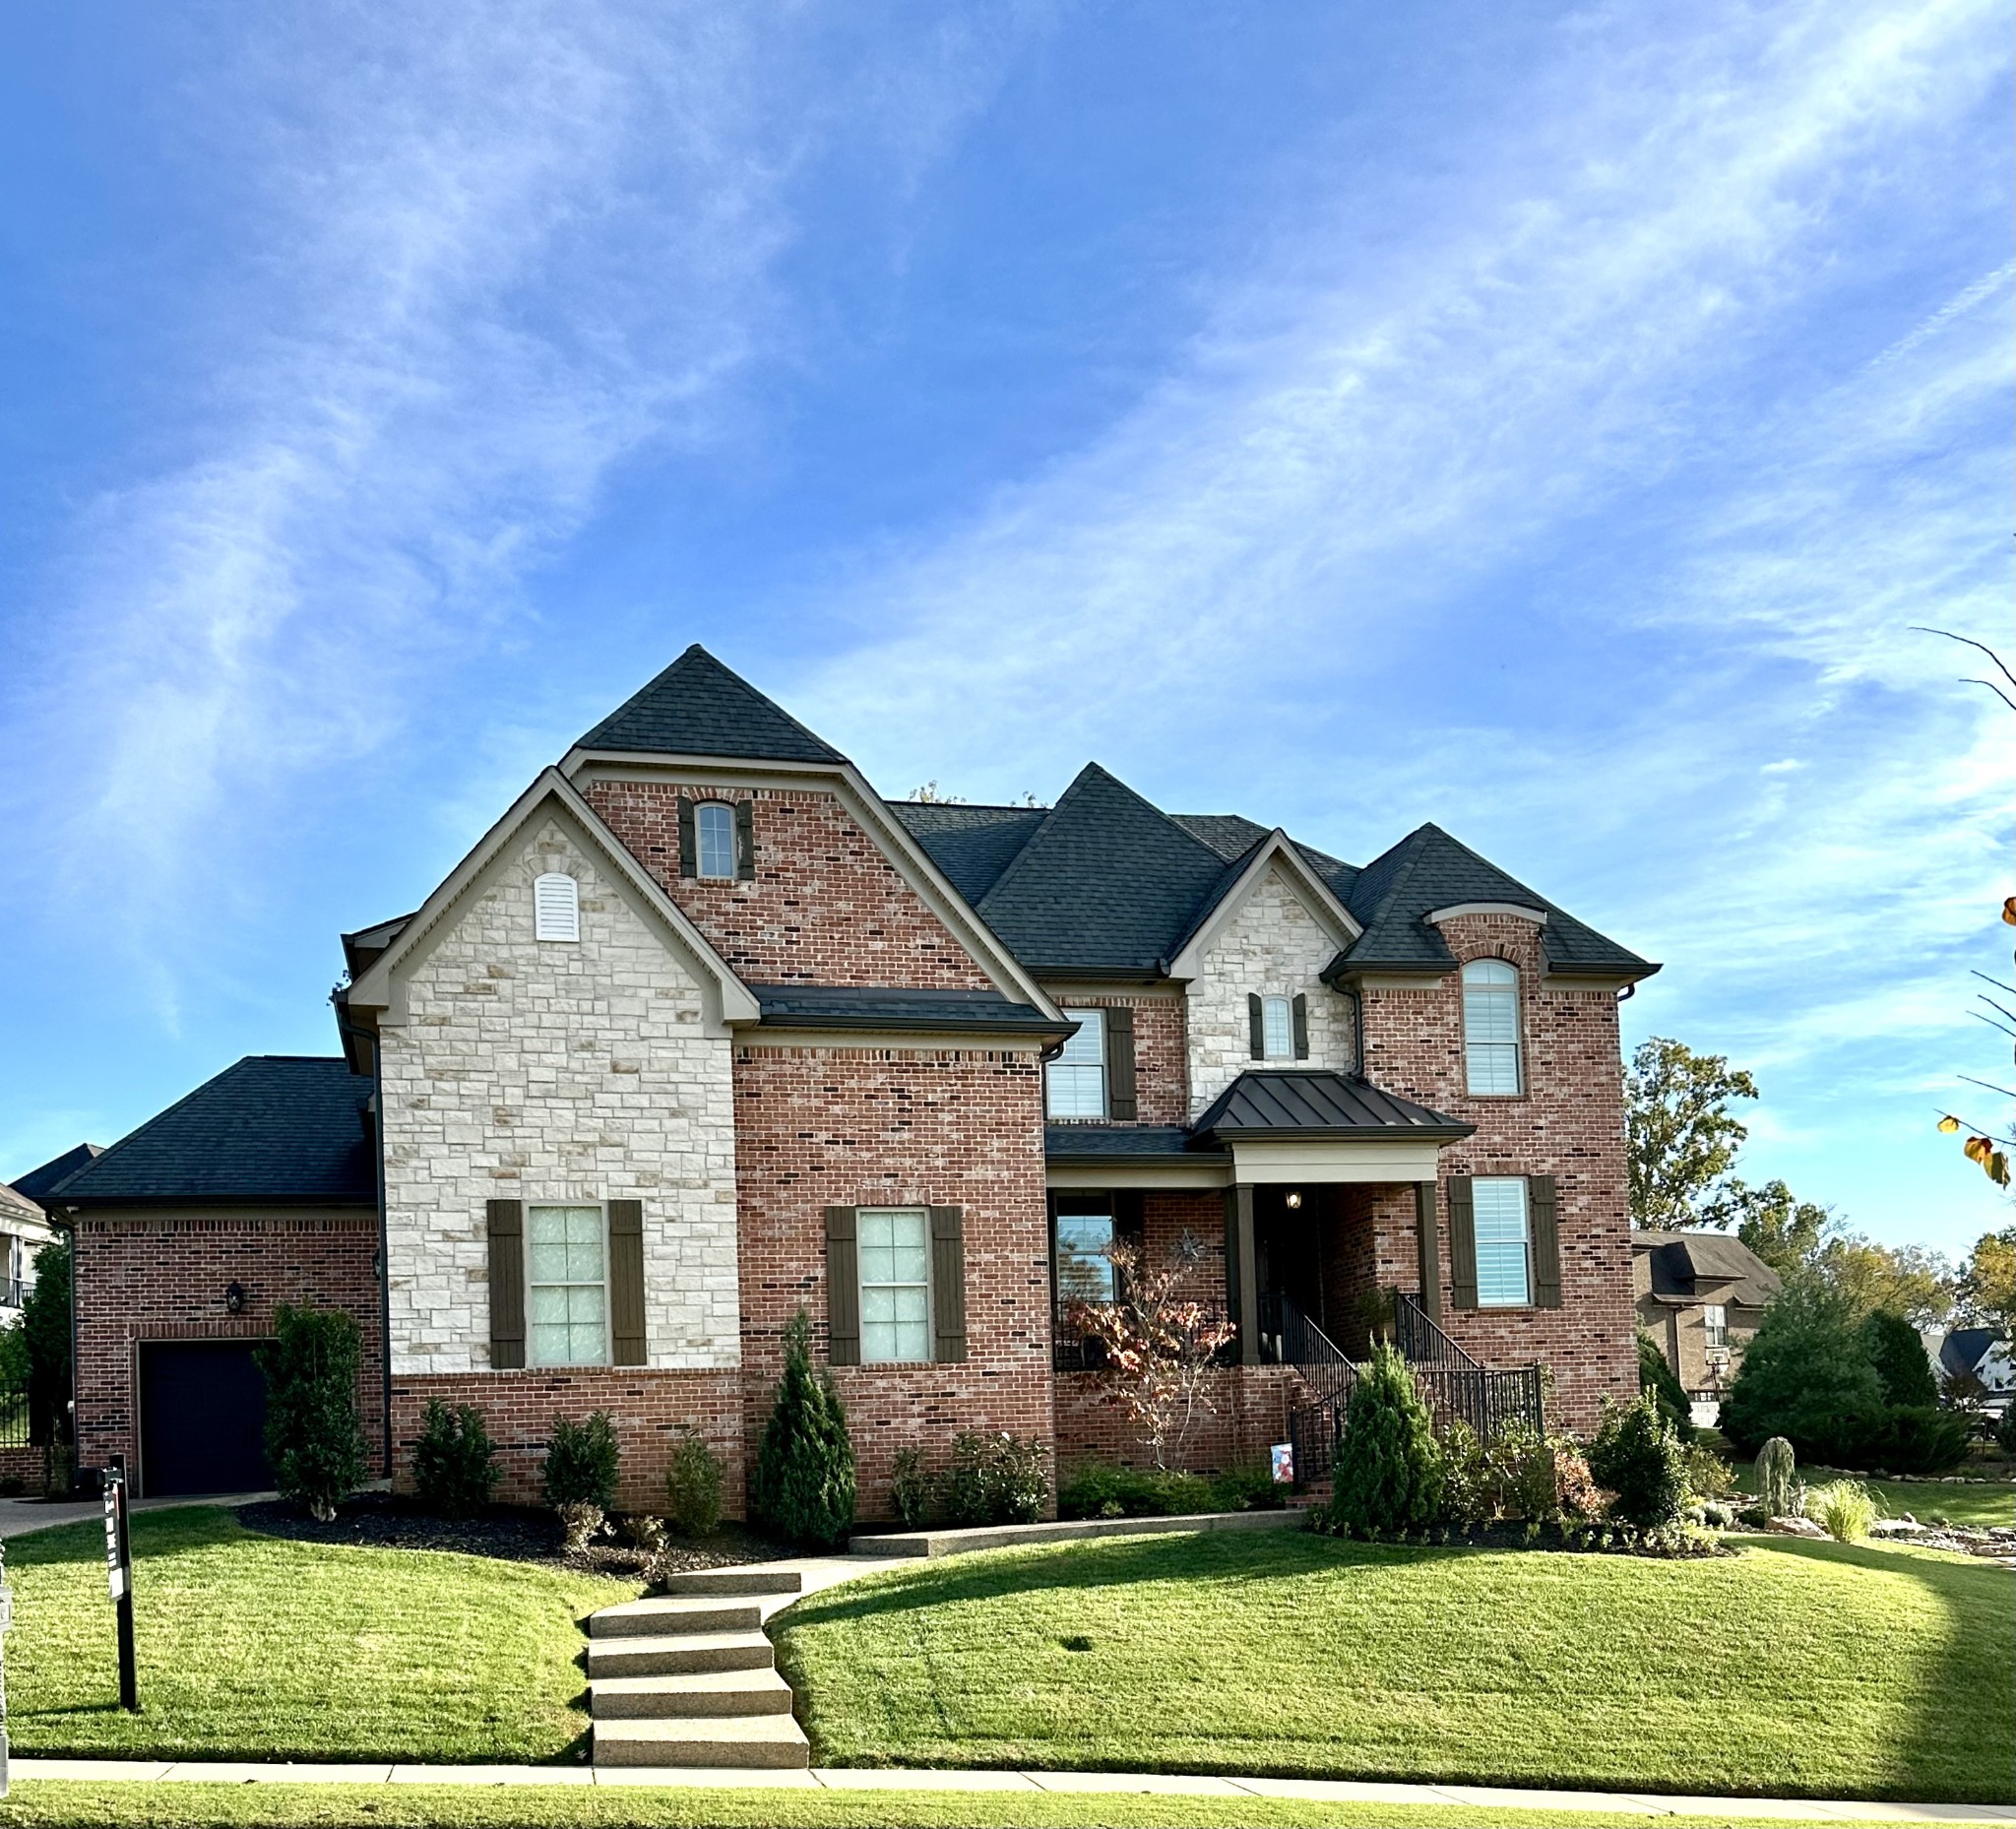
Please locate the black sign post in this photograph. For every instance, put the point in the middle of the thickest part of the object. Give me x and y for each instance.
(119, 1578)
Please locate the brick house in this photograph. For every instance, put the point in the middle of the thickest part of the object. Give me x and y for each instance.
(1701, 1296)
(702, 1032)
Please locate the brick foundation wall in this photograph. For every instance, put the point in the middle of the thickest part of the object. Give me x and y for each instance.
(825, 905)
(1249, 1414)
(649, 1409)
(820, 1127)
(163, 1275)
(1569, 1123)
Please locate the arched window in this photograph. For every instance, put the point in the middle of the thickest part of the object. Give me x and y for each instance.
(556, 907)
(714, 827)
(1491, 1028)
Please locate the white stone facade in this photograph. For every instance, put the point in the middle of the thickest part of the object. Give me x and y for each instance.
(1272, 946)
(555, 1071)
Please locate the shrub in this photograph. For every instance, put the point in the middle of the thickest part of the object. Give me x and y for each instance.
(804, 1486)
(1707, 1473)
(580, 1463)
(455, 1463)
(1844, 1509)
(1891, 1346)
(1388, 1473)
(1657, 1375)
(1805, 1376)
(2005, 1428)
(314, 1443)
(1637, 1455)
(1776, 1479)
(1915, 1440)
(1469, 1486)
(996, 1480)
(693, 1487)
(1247, 1489)
(911, 1488)
(1099, 1490)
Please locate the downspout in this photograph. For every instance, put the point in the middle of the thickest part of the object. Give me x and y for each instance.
(349, 1028)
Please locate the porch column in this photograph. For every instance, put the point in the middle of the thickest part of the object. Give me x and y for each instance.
(1427, 1247)
(1241, 1271)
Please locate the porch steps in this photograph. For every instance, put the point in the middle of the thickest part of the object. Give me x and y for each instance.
(689, 1678)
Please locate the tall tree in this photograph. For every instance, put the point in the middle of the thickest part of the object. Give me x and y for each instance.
(1987, 1286)
(1682, 1134)
(1785, 1232)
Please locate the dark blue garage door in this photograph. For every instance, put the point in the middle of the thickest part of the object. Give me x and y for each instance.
(201, 1417)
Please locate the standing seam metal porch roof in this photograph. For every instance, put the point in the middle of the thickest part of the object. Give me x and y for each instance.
(1298, 1103)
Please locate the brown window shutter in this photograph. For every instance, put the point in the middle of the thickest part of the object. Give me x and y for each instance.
(507, 1283)
(1544, 1208)
(1120, 1104)
(1256, 1025)
(627, 1282)
(1462, 1244)
(746, 840)
(689, 845)
(948, 1284)
(1428, 1249)
(1301, 1013)
(843, 1289)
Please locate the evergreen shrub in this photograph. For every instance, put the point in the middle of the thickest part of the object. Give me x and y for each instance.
(996, 1479)
(2005, 1428)
(455, 1463)
(1891, 1346)
(693, 1487)
(910, 1489)
(1637, 1455)
(1805, 1376)
(1776, 1479)
(582, 1461)
(804, 1485)
(1388, 1473)
(1657, 1375)
(314, 1442)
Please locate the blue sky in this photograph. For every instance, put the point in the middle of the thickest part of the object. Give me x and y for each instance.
(1548, 422)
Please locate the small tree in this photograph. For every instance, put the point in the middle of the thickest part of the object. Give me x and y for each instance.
(1160, 1344)
(1894, 1348)
(1778, 1488)
(1805, 1376)
(455, 1463)
(693, 1487)
(1656, 1377)
(1388, 1473)
(1638, 1457)
(314, 1442)
(804, 1486)
(45, 1341)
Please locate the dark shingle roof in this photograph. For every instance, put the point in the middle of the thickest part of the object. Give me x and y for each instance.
(1230, 835)
(1710, 1267)
(1394, 895)
(273, 1127)
(972, 844)
(819, 1006)
(1106, 882)
(39, 1182)
(1296, 1103)
(1962, 1349)
(699, 707)
(1113, 1142)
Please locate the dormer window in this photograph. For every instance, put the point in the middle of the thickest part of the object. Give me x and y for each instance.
(1490, 1029)
(556, 907)
(714, 827)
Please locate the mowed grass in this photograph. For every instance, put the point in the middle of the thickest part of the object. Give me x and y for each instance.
(260, 1648)
(1793, 1668)
(1978, 1506)
(65, 1804)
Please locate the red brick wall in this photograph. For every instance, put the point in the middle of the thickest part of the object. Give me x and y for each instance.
(820, 1127)
(161, 1276)
(1162, 1061)
(1568, 1123)
(649, 1409)
(825, 907)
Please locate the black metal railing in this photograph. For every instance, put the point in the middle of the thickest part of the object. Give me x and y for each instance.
(1072, 1350)
(1288, 1336)
(1456, 1386)
(14, 1415)
(1313, 1432)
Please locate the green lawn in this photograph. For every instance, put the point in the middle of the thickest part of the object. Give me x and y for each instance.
(261, 1648)
(1977, 1505)
(55, 1804)
(1793, 1669)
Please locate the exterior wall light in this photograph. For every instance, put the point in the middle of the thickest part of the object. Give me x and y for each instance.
(1294, 1199)
(234, 1298)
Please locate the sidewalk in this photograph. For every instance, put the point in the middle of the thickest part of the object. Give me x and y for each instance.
(832, 1778)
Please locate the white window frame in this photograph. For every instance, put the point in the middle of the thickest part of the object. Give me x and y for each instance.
(863, 1285)
(555, 906)
(533, 1206)
(1284, 1034)
(1715, 1324)
(1075, 1084)
(1495, 996)
(1488, 1294)
(701, 822)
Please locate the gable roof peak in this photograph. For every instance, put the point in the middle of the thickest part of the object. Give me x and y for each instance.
(699, 707)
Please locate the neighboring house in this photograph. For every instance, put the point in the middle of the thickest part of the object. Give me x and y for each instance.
(1701, 1296)
(704, 1032)
(24, 1230)
(1981, 1353)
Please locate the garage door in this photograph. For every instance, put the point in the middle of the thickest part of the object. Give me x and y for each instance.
(201, 1416)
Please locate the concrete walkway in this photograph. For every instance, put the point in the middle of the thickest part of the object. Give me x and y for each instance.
(834, 1778)
(17, 1517)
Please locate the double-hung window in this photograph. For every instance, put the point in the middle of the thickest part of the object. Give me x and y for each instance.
(1491, 1028)
(1715, 1324)
(714, 832)
(1277, 1029)
(893, 1246)
(1077, 1078)
(1504, 1259)
(567, 1289)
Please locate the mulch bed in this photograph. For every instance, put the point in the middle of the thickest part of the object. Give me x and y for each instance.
(510, 1533)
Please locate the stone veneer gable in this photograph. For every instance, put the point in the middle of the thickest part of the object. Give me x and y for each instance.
(555, 1071)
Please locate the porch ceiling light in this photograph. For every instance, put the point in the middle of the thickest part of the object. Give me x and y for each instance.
(1294, 1199)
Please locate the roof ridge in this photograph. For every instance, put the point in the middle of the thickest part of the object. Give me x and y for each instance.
(693, 659)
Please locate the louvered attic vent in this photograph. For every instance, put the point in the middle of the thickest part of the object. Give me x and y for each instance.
(556, 907)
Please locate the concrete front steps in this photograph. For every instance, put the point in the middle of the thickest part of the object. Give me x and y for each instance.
(689, 1678)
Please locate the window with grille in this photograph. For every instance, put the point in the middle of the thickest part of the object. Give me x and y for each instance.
(1504, 1268)
(1277, 1029)
(1490, 1026)
(714, 831)
(1085, 1273)
(1077, 1078)
(1715, 1323)
(567, 1288)
(556, 907)
(894, 1257)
